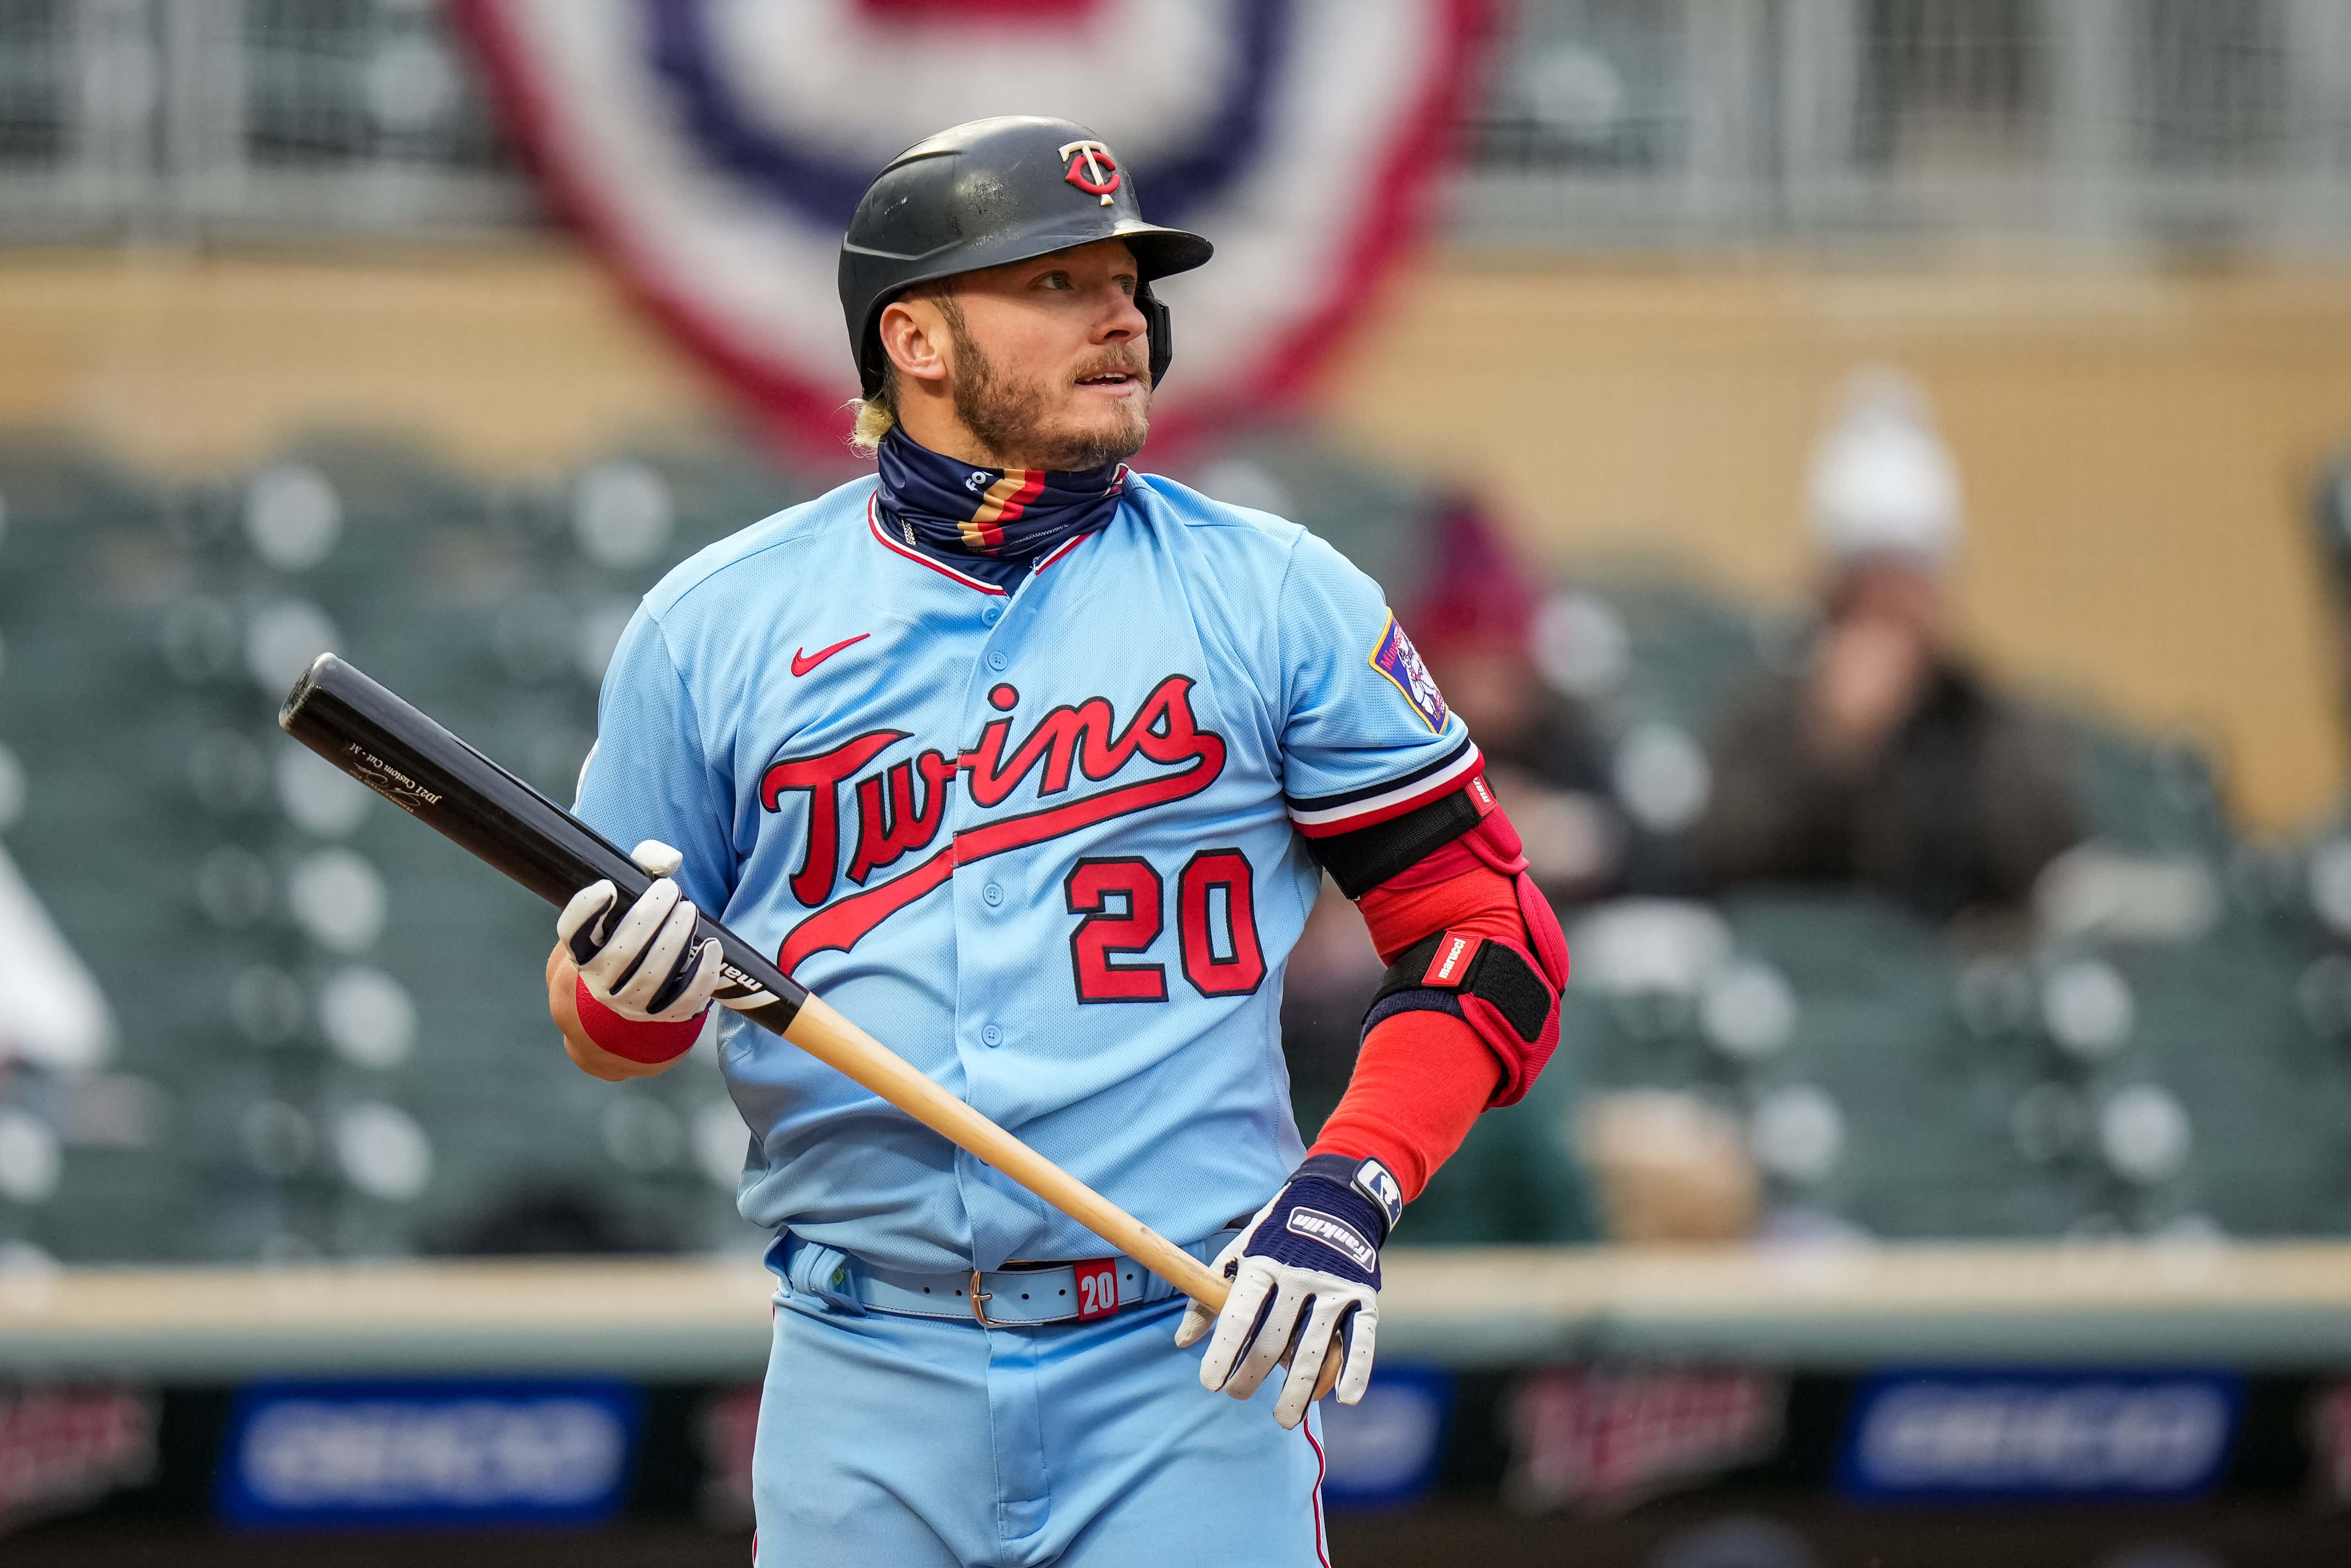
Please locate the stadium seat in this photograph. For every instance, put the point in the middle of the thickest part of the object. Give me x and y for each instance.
(323, 1080)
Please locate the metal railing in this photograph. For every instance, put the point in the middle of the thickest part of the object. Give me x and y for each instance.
(2067, 125)
(180, 119)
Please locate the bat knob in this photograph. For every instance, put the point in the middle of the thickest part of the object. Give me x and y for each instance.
(321, 669)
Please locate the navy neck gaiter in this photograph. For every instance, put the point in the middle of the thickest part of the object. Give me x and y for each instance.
(994, 524)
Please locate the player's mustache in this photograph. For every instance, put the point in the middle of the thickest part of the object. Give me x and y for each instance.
(1129, 359)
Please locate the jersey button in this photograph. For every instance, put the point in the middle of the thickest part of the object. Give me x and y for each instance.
(993, 893)
(992, 615)
(997, 660)
(991, 1035)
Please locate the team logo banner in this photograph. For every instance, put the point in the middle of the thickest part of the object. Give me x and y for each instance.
(713, 150)
(1604, 1439)
(63, 1448)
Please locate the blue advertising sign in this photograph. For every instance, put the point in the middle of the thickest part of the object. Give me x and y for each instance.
(443, 1453)
(1384, 1449)
(1945, 1435)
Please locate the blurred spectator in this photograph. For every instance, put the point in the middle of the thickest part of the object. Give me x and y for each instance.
(1474, 622)
(1669, 1167)
(1885, 759)
(1472, 619)
(2330, 516)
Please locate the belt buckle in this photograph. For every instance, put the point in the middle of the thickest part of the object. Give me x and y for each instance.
(978, 1311)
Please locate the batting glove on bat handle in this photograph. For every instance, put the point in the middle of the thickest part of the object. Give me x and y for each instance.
(642, 963)
(1307, 1267)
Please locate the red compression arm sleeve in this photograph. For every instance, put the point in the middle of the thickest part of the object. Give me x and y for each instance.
(1422, 1078)
(638, 1039)
(1420, 1082)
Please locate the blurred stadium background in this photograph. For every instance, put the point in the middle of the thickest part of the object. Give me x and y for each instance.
(1859, 1220)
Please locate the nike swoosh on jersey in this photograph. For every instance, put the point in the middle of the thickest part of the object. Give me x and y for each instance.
(802, 662)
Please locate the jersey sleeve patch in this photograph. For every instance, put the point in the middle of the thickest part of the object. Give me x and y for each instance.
(1399, 661)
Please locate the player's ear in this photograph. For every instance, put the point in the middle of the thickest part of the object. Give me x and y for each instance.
(915, 336)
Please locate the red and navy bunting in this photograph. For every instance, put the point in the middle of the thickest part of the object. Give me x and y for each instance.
(712, 151)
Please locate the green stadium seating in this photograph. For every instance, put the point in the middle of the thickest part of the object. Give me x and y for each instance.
(152, 825)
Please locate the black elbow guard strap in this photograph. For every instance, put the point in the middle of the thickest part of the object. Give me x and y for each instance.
(1494, 987)
(1361, 859)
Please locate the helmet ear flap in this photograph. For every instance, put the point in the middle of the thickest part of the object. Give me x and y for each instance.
(1163, 346)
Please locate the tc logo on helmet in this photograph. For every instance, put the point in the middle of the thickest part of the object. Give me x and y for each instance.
(1100, 175)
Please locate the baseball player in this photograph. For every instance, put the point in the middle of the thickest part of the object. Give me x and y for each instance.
(1033, 765)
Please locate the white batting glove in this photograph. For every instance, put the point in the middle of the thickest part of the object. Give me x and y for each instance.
(1307, 1266)
(642, 964)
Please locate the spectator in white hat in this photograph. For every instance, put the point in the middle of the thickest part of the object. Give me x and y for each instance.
(1884, 760)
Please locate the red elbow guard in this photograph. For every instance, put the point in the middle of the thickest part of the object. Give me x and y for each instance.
(1505, 986)
(1501, 991)
(638, 1039)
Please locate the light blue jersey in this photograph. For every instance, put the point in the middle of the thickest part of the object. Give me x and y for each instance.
(1047, 846)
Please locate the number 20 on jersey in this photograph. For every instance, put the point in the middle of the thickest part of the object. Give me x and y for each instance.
(1121, 905)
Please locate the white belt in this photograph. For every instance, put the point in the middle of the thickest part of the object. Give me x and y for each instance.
(1017, 1295)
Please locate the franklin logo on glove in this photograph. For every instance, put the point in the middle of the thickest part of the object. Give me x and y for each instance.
(1311, 1272)
(1335, 1234)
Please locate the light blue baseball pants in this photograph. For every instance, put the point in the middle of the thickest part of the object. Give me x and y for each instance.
(903, 1442)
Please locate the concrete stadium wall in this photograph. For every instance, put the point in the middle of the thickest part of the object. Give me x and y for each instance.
(2136, 447)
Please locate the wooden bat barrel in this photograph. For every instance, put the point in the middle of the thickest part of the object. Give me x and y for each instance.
(411, 761)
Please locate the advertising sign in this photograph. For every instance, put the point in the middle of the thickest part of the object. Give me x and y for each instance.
(464, 1453)
(1948, 1435)
(1384, 1451)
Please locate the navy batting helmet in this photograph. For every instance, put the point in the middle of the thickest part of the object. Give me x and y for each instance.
(990, 191)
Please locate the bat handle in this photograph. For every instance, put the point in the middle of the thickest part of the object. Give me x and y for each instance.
(821, 1031)
(1209, 1288)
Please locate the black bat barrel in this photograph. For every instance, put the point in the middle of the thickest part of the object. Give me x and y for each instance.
(371, 734)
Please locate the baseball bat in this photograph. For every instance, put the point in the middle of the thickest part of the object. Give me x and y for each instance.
(387, 745)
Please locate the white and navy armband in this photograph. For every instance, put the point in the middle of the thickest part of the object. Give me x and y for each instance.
(1365, 836)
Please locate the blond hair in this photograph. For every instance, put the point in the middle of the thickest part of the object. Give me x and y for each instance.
(875, 419)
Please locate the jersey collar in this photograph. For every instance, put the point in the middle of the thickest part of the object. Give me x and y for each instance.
(920, 557)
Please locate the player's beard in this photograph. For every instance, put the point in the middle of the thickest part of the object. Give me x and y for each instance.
(1009, 416)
